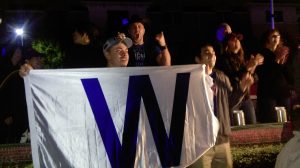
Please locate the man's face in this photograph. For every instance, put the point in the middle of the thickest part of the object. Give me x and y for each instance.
(137, 31)
(274, 38)
(208, 56)
(117, 55)
(36, 62)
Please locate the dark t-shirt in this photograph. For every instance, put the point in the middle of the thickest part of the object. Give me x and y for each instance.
(143, 55)
(138, 54)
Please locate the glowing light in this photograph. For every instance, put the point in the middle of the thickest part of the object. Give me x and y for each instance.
(19, 31)
(125, 21)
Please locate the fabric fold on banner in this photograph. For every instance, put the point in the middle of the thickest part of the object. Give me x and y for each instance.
(120, 117)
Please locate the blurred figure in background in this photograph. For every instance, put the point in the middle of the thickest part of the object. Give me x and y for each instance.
(275, 83)
(85, 50)
(11, 62)
(222, 30)
(14, 118)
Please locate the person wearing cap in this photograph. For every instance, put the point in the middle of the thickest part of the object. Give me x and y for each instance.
(222, 30)
(143, 53)
(115, 50)
(223, 97)
(234, 64)
(289, 156)
(14, 118)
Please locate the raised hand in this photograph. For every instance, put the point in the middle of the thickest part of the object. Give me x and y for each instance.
(255, 61)
(160, 38)
(246, 81)
(121, 36)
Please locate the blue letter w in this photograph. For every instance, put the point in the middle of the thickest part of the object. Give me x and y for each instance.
(140, 87)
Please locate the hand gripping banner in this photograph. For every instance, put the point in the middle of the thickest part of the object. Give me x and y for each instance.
(119, 117)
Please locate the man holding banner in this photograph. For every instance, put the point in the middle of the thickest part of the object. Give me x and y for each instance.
(224, 98)
(119, 117)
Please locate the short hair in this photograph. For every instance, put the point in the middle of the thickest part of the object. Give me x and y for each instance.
(136, 19)
(81, 28)
(202, 45)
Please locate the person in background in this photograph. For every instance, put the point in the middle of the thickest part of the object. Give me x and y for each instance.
(225, 97)
(83, 52)
(222, 30)
(143, 53)
(289, 156)
(11, 62)
(275, 84)
(284, 59)
(235, 64)
(14, 118)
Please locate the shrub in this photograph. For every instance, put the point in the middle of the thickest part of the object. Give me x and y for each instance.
(52, 52)
(255, 156)
(250, 156)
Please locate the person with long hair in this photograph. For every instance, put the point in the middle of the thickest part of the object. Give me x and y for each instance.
(235, 64)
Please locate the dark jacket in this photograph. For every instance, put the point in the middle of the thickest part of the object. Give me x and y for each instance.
(274, 86)
(84, 56)
(227, 97)
(13, 104)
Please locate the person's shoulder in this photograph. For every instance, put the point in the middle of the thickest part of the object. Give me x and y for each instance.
(219, 72)
(221, 76)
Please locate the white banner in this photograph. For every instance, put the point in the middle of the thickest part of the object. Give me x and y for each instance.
(119, 117)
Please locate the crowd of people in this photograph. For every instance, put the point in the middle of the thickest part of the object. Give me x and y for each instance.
(230, 70)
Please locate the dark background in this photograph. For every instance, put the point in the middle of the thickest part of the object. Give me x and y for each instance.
(184, 30)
